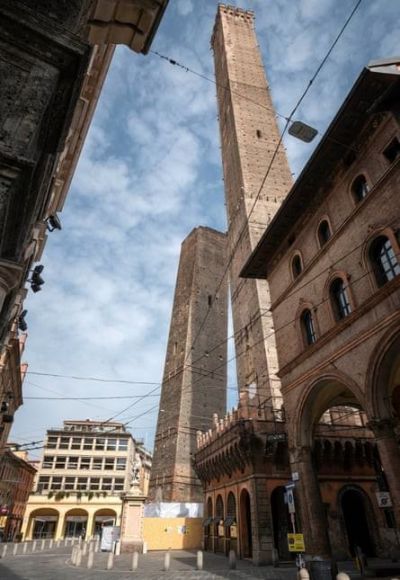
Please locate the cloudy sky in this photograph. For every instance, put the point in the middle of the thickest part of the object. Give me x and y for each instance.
(150, 171)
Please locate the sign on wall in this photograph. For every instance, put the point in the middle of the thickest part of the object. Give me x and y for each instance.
(384, 499)
(296, 543)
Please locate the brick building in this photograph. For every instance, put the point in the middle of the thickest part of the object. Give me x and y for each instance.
(54, 56)
(16, 483)
(330, 259)
(191, 393)
(86, 469)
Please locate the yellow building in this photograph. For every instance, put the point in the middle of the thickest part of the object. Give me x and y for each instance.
(86, 469)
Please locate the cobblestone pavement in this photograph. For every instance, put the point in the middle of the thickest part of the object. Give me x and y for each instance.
(56, 565)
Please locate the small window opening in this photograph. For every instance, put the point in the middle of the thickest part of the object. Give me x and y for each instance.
(384, 261)
(360, 188)
(324, 233)
(340, 299)
(296, 266)
(308, 327)
(209, 300)
(392, 151)
(258, 133)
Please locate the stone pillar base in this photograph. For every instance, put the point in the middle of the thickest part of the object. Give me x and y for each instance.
(132, 523)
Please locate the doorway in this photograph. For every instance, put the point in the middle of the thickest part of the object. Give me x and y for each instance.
(246, 536)
(281, 523)
(354, 509)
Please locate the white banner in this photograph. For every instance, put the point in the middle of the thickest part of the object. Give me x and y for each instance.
(173, 510)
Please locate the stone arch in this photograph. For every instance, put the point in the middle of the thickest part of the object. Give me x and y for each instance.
(333, 388)
(76, 522)
(357, 518)
(384, 376)
(43, 523)
(102, 518)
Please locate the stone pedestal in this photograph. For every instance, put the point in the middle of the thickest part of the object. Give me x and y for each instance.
(132, 521)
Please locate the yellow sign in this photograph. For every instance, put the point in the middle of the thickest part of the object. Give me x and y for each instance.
(296, 543)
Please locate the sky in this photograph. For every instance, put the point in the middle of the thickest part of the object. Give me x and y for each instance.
(150, 172)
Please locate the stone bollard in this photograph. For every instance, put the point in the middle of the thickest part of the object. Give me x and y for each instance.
(58, 543)
(199, 562)
(232, 560)
(25, 547)
(78, 557)
(110, 561)
(84, 548)
(73, 556)
(4, 552)
(34, 545)
(42, 545)
(51, 544)
(15, 549)
(90, 559)
(97, 546)
(342, 576)
(144, 547)
(91, 546)
(303, 574)
(135, 560)
(117, 548)
(167, 561)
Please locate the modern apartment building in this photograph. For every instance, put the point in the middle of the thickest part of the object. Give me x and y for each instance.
(86, 468)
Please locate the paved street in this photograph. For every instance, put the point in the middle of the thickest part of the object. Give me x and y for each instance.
(55, 565)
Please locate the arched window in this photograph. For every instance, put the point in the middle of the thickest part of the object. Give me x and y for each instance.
(230, 510)
(340, 299)
(307, 325)
(324, 232)
(384, 261)
(360, 188)
(219, 508)
(297, 266)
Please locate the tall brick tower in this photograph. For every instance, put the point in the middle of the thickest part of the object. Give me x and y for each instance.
(249, 136)
(191, 391)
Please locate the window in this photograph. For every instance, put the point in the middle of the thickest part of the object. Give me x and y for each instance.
(111, 444)
(392, 151)
(384, 260)
(119, 484)
(64, 442)
(307, 324)
(73, 462)
(109, 463)
(43, 483)
(56, 483)
(82, 483)
(324, 233)
(88, 443)
(121, 464)
(97, 463)
(360, 188)
(76, 442)
(85, 463)
(296, 266)
(123, 445)
(100, 444)
(340, 300)
(95, 483)
(69, 483)
(52, 442)
(48, 462)
(60, 462)
(106, 484)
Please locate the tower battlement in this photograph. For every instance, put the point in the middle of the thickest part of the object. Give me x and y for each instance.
(240, 14)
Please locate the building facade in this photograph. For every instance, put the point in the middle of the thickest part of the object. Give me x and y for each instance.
(55, 59)
(332, 259)
(192, 390)
(16, 483)
(87, 468)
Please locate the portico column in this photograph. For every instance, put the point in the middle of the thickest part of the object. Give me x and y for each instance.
(389, 454)
(59, 527)
(309, 504)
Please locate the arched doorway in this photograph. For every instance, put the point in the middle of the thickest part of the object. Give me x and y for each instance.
(101, 519)
(246, 535)
(281, 523)
(43, 523)
(76, 522)
(208, 525)
(355, 512)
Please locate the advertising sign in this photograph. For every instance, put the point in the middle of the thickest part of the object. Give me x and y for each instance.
(296, 543)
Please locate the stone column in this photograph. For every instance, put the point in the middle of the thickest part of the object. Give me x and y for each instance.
(309, 506)
(389, 453)
(261, 526)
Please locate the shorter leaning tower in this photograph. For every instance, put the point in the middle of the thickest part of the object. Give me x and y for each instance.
(192, 388)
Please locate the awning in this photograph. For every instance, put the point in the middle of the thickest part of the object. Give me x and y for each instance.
(46, 519)
(76, 518)
(104, 519)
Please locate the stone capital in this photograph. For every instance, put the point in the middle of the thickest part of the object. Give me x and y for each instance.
(383, 428)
